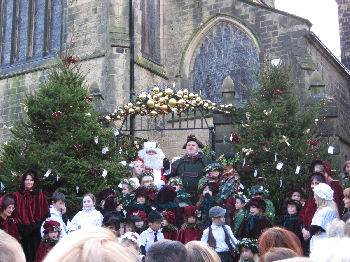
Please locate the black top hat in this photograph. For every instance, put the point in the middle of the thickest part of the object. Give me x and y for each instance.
(154, 216)
(194, 139)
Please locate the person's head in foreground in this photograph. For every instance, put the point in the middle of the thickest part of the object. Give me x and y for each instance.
(199, 251)
(93, 244)
(277, 254)
(331, 250)
(279, 237)
(10, 249)
(167, 250)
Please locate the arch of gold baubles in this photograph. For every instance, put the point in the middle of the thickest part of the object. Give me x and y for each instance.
(168, 100)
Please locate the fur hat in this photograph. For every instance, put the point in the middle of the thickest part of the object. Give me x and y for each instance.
(194, 139)
(104, 193)
(142, 191)
(257, 202)
(169, 216)
(216, 211)
(324, 191)
(51, 225)
(166, 194)
(191, 211)
(138, 216)
(325, 164)
(112, 202)
(291, 202)
(293, 189)
(154, 216)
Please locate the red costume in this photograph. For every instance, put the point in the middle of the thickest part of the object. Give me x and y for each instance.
(31, 210)
(189, 232)
(44, 249)
(307, 213)
(171, 235)
(9, 225)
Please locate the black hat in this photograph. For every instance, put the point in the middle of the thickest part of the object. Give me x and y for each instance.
(154, 216)
(257, 202)
(194, 139)
(166, 194)
(292, 202)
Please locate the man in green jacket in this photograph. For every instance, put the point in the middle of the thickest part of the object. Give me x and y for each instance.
(190, 167)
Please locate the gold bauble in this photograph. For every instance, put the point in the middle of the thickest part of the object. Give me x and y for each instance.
(142, 96)
(153, 113)
(196, 95)
(155, 97)
(164, 107)
(179, 93)
(131, 111)
(161, 100)
(206, 105)
(130, 105)
(185, 91)
(138, 103)
(172, 102)
(210, 108)
(166, 97)
(137, 109)
(181, 102)
(143, 106)
(198, 99)
(187, 106)
(169, 91)
(185, 96)
(191, 95)
(126, 107)
(213, 104)
(160, 94)
(119, 118)
(150, 103)
(142, 113)
(157, 106)
(156, 89)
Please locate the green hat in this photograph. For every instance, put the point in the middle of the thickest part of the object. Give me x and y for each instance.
(250, 243)
(258, 189)
(213, 167)
(229, 158)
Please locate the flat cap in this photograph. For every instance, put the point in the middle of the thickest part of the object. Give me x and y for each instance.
(216, 212)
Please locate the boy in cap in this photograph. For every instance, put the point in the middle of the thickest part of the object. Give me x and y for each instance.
(152, 233)
(219, 236)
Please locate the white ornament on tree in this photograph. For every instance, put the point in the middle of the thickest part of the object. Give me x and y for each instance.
(104, 173)
(279, 166)
(255, 173)
(331, 150)
(48, 172)
(297, 170)
(77, 189)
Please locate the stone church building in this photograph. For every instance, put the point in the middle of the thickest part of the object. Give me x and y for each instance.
(127, 46)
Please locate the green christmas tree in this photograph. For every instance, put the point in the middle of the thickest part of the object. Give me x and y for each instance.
(278, 138)
(61, 138)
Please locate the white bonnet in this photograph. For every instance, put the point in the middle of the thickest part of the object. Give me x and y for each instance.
(324, 191)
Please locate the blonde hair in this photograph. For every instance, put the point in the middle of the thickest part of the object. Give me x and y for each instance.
(322, 203)
(346, 193)
(92, 244)
(10, 249)
(146, 179)
(199, 251)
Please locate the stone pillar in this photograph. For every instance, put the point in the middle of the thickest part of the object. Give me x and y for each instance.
(224, 124)
(344, 28)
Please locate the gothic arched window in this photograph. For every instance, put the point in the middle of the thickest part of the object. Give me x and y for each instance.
(150, 46)
(30, 32)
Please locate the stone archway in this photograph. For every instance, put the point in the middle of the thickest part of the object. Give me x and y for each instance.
(222, 47)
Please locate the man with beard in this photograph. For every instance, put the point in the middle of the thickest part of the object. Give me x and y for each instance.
(153, 158)
(190, 167)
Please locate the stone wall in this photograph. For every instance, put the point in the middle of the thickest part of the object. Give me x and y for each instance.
(101, 41)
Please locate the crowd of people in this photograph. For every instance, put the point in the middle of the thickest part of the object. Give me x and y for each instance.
(192, 209)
